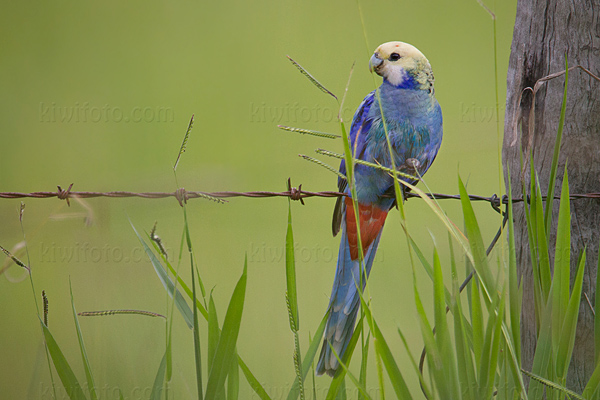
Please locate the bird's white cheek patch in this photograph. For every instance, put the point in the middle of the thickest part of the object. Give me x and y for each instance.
(396, 75)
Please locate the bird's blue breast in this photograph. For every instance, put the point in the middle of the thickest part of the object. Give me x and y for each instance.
(413, 120)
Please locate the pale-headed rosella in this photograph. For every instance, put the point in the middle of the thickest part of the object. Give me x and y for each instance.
(405, 106)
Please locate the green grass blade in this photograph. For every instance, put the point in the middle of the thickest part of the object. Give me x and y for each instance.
(341, 394)
(529, 211)
(341, 109)
(557, 143)
(514, 363)
(159, 380)
(297, 358)
(191, 253)
(504, 384)
(225, 352)
(213, 331)
(562, 257)
(338, 380)
(427, 265)
(291, 298)
(434, 361)
(363, 364)
(592, 386)
(362, 391)
(495, 348)
(422, 258)
(180, 302)
(86, 362)
(483, 281)
(396, 378)
(597, 315)
(567, 336)
(196, 331)
(542, 242)
(169, 353)
(442, 336)
(233, 380)
(252, 381)
(63, 369)
(477, 322)
(383, 350)
(466, 369)
(514, 293)
(182, 284)
(312, 370)
(424, 385)
(543, 353)
(311, 78)
(290, 273)
(480, 262)
(309, 357)
(484, 364)
(380, 382)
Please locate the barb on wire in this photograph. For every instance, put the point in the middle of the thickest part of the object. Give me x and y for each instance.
(295, 194)
(64, 194)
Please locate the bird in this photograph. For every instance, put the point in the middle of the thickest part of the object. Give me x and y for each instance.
(405, 107)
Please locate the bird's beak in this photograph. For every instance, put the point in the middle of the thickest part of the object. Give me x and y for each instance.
(375, 62)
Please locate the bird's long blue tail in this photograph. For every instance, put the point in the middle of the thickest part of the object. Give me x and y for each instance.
(344, 303)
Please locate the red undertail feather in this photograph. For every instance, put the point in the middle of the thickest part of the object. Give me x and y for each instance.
(371, 219)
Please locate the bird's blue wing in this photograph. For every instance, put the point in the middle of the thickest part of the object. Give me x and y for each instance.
(361, 123)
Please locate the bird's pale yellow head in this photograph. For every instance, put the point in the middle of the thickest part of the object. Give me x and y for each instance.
(402, 65)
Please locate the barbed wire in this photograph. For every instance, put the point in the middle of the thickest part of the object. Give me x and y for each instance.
(182, 195)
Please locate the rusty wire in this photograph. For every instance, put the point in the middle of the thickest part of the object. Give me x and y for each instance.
(180, 194)
(298, 194)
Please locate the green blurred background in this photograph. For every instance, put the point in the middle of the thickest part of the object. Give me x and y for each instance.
(100, 95)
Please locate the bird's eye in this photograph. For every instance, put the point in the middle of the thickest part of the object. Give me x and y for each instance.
(394, 57)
